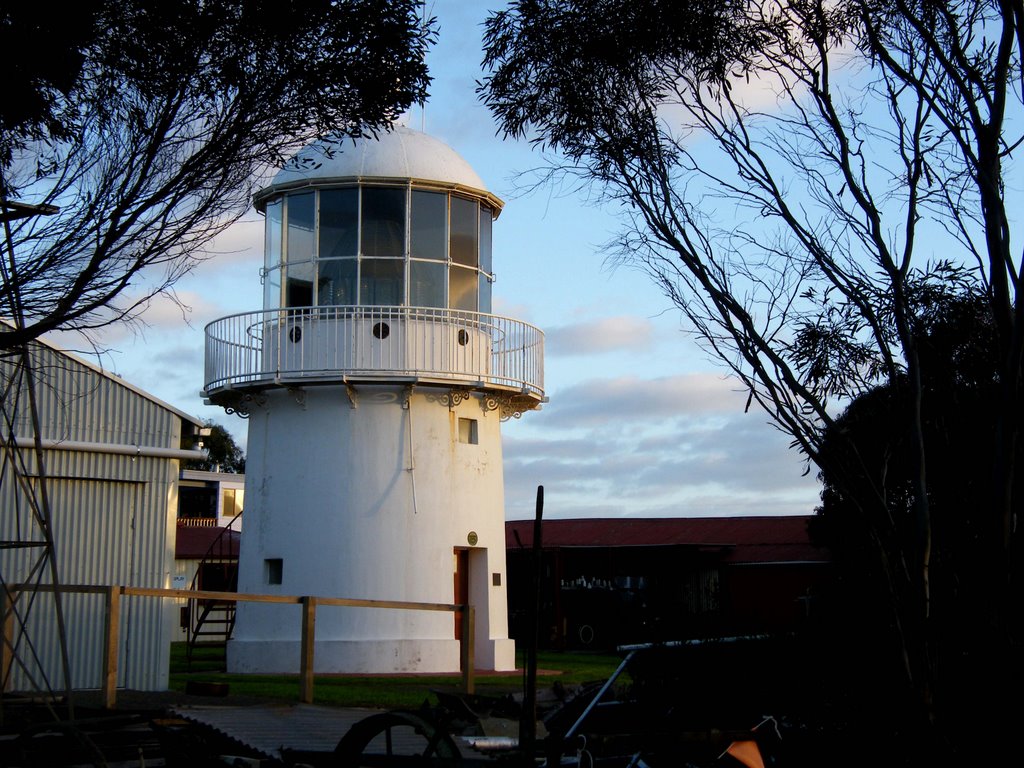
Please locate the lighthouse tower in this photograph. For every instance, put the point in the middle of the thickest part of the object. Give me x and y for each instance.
(375, 380)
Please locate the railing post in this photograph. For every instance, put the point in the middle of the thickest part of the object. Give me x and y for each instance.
(306, 657)
(7, 600)
(468, 653)
(111, 641)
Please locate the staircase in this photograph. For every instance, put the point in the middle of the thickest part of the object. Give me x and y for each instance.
(210, 622)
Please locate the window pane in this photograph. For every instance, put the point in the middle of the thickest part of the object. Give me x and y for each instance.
(272, 289)
(339, 222)
(337, 282)
(380, 282)
(426, 284)
(485, 295)
(301, 217)
(462, 289)
(464, 226)
(383, 222)
(429, 225)
(272, 236)
(485, 239)
(299, 284)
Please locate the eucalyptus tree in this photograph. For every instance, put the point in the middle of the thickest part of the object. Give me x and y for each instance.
(797, 176)
(137, 129)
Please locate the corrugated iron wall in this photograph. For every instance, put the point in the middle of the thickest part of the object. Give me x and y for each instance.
(113, 520)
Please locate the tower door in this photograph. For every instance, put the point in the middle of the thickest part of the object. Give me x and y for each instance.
(461, 591)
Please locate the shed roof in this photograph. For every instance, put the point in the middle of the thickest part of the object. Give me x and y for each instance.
(56, 348)
(194, 542)
(742, 540)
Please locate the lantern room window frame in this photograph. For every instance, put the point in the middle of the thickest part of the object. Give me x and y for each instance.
(395, 255)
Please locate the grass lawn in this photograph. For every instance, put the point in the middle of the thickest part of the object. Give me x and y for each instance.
(386, 692)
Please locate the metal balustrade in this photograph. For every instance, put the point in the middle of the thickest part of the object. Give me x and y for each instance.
(309, 344)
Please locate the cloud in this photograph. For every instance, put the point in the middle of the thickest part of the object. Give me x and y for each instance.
(654, 447)
(607, 334)
(629, 397)
(185, 308)
(241, 242)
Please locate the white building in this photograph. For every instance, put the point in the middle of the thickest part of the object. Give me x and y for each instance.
(210, 508)
(375, 380)
(112, 454)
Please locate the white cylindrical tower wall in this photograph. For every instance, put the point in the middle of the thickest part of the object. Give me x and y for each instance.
(368, 495)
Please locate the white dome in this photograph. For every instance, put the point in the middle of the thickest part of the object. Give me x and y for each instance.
(401, 153)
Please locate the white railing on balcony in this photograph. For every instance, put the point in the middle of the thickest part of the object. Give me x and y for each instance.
(324, 343)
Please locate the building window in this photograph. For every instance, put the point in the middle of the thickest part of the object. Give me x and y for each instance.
(274, 570)
(231, 501)
(468, 431)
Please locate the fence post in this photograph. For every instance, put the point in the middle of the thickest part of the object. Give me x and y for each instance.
(306, 659)
(7, 649)
(468, 653)
(113, 628)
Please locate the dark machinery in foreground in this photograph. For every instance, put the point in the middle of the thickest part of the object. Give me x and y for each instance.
(687, 704)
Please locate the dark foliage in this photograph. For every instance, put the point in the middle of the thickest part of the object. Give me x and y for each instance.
(585, 77)
(37, 87)
(222, 453)
(871, 524)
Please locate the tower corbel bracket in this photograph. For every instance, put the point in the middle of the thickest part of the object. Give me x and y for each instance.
(350, 391)
(299, 394)
(507, 407)
(406, 397)
(450, 399)
(242, 405)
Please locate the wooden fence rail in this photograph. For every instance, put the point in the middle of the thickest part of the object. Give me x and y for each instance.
(112, 610)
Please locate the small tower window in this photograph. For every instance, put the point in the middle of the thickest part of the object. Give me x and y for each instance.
(273, 568)
(468, 431)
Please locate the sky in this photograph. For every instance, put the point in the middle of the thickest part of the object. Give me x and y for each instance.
(640, 422)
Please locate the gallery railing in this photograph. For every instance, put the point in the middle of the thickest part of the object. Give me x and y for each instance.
(325, 343)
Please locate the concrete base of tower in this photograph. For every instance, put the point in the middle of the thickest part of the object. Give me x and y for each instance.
(366, 656)
(499, 655)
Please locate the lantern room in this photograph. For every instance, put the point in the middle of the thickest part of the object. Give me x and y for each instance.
(375, 379)
(378, 245)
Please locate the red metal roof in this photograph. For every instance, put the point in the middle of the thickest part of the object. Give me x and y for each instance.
(193, 543)
(741, 539)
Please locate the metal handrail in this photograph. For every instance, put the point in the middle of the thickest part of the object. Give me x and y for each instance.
(286, 345)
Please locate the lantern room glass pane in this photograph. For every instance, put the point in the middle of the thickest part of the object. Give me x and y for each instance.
(429, 218)
(464, 223)
(299, 284)
(383, 222)
(336, 284)
(485, 239)
(462, 289)
(272, 236)
(339, 222)
(485, 295)
(381, 282)
(426, 284)
(300, 242)
(272, 289)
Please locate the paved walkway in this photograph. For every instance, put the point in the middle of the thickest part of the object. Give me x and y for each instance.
(269, 728)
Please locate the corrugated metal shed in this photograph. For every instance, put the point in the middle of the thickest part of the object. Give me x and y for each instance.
(113, 493)
(739, 539)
